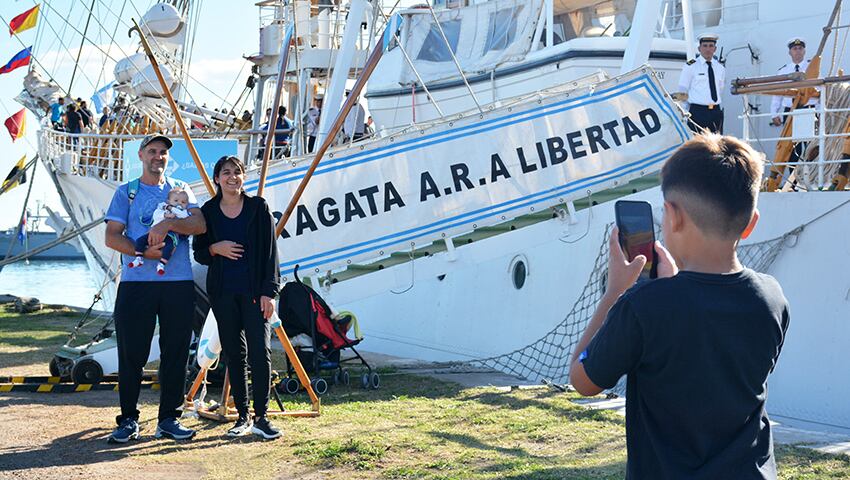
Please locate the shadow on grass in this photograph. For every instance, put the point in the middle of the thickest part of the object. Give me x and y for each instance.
(500, 399)
(607, 471)
(471, 442)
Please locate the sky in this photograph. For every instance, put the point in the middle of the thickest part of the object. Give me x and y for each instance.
(227, 30)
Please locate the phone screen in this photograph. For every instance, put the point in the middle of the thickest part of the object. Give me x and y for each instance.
(637, 233)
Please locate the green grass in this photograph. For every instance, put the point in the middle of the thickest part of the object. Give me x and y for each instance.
(412, 428)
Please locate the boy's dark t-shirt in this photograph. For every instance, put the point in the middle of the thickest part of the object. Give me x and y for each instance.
(697, 349)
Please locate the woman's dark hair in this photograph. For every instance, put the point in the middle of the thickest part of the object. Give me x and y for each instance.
(220, 164)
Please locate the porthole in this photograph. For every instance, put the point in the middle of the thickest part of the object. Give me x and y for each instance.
(519, 274)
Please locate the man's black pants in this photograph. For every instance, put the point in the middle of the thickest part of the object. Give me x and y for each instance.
(245, 337)
(703, 117)
(136, 310)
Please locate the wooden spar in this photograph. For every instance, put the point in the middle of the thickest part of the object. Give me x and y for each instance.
(174, 110)
(784, 148)
(371, 63)
(267, 153)
(770, 88)
(790, 77)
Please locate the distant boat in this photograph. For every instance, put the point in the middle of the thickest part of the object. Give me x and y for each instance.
(69, 250)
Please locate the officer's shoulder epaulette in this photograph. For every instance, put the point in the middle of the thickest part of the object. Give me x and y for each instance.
(691, 61)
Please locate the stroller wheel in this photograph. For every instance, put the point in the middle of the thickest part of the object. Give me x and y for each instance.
(364, 380)
(337, 378)
(374, 380)
(345, 377)
(87, 371)
(60, 367)
(320, 386)
(290, 385)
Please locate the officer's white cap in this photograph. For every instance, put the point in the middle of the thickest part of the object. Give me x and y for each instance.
(796, 41)
(708, 37)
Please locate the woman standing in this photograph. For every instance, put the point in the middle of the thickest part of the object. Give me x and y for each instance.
(242, 282)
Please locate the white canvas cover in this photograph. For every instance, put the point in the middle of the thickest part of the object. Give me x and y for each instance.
(482, 37)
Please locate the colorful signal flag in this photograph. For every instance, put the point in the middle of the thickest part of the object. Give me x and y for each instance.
(17, 124)
(24, 21)
(20, 59)
(12, 179)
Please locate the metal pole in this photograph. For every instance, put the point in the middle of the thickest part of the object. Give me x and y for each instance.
(454, 58)
(688, 20)
(281, 73)
(371, 63)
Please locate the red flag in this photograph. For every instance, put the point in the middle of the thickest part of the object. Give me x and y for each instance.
(17, 124)
(24, 21)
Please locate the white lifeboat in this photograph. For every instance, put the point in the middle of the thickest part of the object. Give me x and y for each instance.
(128, 67)
(145, 83)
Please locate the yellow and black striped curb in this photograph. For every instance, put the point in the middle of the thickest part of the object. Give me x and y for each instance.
(48, 379)
(67, 387)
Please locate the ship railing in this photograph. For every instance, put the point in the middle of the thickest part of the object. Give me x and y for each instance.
(709, 17)
(808, 127)
(102, 155)
(85, 154)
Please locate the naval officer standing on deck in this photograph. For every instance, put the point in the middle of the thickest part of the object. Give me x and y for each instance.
(702, 80)
(798, 63)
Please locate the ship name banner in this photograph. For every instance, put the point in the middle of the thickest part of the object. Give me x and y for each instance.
(409, 191)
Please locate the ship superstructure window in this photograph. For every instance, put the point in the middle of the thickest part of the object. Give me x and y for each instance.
(612, 18)
(502, 29)
(434, 49)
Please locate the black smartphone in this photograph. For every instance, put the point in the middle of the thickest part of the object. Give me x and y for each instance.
(637, 234)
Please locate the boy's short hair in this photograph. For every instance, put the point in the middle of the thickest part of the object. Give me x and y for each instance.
(716, 180)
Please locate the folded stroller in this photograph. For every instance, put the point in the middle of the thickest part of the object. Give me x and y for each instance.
(319, 336)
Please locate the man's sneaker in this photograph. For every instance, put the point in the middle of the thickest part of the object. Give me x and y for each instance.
(127, 430)
(171, 428)
(242, 427)
(264, 428)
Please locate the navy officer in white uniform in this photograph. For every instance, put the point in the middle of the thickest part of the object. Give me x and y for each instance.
(798, 63)
(702, 80)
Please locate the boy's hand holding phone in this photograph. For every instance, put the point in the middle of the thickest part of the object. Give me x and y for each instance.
(622, 273)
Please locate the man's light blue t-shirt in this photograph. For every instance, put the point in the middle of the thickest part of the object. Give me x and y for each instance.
(179, 267)
(55, 112)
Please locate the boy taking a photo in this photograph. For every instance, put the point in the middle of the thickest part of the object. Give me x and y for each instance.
(697, 344)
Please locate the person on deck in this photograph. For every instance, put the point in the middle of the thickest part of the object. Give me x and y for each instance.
(354, 126)
(104, 117)
(781, 105)
(798, 64)
(243, 281)
(73, 122)
(56, 110)
(707, 327)
(313, 117)
(701, 82)
(85, 114)
(145, 296)
(281, 140)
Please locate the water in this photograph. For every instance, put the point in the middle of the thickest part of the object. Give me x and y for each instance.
(65, 282)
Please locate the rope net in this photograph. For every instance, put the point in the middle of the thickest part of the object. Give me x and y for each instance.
(548, 358)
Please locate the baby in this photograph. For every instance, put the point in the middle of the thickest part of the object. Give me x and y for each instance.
(175, 207)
